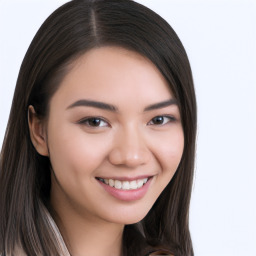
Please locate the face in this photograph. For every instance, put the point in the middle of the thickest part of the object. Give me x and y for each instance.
(114, 136)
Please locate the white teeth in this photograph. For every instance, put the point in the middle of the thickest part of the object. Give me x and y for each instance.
(140, 183)
(118, 184)
(133, 184)
(125, 185)
(111, 183)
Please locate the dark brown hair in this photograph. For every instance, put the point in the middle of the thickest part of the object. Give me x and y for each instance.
(69, 32)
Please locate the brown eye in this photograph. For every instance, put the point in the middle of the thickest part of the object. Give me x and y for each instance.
(94, 122)
(158, 120)
(161, 120)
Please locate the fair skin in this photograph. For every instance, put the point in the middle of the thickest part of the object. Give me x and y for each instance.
(128, 138)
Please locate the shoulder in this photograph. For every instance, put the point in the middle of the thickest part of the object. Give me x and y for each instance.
(18, 251)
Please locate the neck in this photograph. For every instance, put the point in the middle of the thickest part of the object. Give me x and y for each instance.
(90, 236)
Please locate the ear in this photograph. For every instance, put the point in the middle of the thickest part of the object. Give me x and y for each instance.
(37, 132)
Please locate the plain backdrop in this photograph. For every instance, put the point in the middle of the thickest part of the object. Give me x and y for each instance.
(220, 39)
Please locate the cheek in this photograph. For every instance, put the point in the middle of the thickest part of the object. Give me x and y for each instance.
(75, 153)
(169, 151)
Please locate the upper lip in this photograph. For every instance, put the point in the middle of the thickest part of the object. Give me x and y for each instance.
(126, 178)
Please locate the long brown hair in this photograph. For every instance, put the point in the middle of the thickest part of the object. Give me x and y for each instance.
(25, 182)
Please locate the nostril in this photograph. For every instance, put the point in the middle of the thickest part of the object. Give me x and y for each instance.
(115, 157)
(128, 157)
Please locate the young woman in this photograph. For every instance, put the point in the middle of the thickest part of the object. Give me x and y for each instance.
(99, 149)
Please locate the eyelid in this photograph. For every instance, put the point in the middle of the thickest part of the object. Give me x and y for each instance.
(83, 121)
(170, 117)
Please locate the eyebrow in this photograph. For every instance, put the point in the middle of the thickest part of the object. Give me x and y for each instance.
(162, 104)
(95, 104)
(112, 108)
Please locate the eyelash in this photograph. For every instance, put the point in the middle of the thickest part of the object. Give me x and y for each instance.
(86, 121)
(169, 118)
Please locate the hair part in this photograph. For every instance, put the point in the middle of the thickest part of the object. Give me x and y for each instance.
(25, 176)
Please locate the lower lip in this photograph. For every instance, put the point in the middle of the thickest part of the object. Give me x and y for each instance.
(127, 195)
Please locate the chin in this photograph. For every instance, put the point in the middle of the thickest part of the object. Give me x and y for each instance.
(128, 216)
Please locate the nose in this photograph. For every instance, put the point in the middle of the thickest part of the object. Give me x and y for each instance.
(129, 149)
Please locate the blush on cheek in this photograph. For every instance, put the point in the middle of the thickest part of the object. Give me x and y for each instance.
(77, 160)
(170, 156)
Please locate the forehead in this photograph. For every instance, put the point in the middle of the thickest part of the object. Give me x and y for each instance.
(113, 74)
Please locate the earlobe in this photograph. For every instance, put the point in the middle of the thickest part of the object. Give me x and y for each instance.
(37, 132)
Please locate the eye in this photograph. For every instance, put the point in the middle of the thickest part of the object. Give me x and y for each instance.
(161, 120)
(94, 122)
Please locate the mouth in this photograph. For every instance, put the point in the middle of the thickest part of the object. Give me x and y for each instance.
(124, 184)
(126, 189)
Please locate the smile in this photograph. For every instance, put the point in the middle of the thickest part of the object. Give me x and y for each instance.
(124, 185)
(126, 189)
